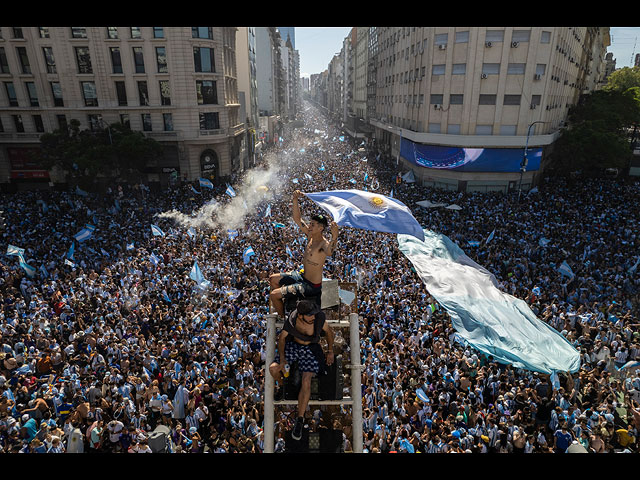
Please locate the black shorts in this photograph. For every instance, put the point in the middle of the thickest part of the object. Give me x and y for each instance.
(294, 284)
(310, 357)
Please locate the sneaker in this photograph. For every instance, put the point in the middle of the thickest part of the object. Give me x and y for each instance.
(296, 433)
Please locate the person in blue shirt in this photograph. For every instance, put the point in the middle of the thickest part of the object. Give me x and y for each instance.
(562, 438)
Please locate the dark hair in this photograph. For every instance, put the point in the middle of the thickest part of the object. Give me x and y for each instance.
(320, 219)
(307, 307)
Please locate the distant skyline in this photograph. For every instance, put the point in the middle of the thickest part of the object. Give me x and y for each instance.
(318, 45)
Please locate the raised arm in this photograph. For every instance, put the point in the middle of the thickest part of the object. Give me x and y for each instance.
(296, 213)
(334, 238)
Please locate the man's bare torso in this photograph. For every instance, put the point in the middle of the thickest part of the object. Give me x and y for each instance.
(315, 254)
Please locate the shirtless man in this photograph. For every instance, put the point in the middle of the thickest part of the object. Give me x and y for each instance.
(299, 341)
(308, 284)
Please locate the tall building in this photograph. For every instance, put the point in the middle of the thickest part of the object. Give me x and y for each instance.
(177, 85)
(288, 33)
(248, 91)
(458, 105)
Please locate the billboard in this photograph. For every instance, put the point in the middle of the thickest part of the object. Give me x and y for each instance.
(463, 159)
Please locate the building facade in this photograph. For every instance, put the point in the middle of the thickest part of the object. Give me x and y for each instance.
(177, 85)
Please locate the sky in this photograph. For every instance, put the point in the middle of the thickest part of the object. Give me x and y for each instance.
(318, 45)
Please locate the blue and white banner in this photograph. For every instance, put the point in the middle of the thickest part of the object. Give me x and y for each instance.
(232, 234)
(156, 231)
(368, 211)
(565, 269)
(197, 276)
(191, 232)
(130, 246)
(267, 212)
(29, 270)
(154, 259)
(230, 191)
(205, 183)
(490, 320)
(71, 251)
(247, 254)
(69, 262)
(15, 251)
(473, 243)
(85, 234)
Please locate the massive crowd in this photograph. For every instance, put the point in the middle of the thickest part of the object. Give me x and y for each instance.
(104, 344)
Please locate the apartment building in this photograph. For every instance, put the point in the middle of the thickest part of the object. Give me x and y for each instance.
(177, 85)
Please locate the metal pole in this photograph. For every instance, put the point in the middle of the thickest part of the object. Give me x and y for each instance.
(269, 413)
(356, 382)
(523, 165)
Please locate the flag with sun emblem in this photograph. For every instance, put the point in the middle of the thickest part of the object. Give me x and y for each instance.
(368, 211)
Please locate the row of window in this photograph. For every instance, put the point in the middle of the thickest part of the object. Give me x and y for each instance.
(206, 93)
(112, 32)
(458, 99)
(203, 59)
(208, 121)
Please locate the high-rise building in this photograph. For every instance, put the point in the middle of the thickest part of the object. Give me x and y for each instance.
(288, 33)
(177, 85)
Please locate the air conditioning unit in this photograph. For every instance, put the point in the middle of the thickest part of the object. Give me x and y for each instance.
(484, 75)
(537, 76)
(533, 106)
(437, 106)
(515, 44)
(487, 44)
(442, 47)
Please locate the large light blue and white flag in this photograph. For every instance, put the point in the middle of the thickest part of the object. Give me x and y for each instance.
(153, 258)
(197, 276)
(156, 231)
(368, 211)
(232, 234)
(85, 233)
(230, 191)
(487, 318)
(247, 254)
(29, 270)
(267, 212)
(15, 251)
(565, 269)
(205, 183)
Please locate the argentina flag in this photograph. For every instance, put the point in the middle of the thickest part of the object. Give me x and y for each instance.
(197, 276)
(29, 270)
(488, 319)
(85, 233)
(205, 183)
(156, 231)
(247, 254)
(230, 191)
(368, 211)
(16, 251)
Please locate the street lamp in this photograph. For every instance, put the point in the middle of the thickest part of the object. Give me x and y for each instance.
(525, 161)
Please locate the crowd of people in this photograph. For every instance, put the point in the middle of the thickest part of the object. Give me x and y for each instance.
(111, 338)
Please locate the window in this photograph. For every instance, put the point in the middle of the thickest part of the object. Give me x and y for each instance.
(459, 69)
(168, 122)
(112, 33)
(511, 100)
(161, 59)
(453, 129)
(202, 32)
(48, 59)
(62, 122)
(83, 60)
(206, 92)
(494, 36)
(520, 35)
(17, 121)
(515, 68)
(203, 59)
(436, 99)
(124, 119)
(441, 38)
(491, 68)
(56, 91)
(158, 32)
(4, 65)
(121, 93)
(541, 68)
(17, 32)
(136, 32)
(146, 122)
(11, 94)
(209, 121)
(95, 122)
(78, 32)
(43, 32)
(1, 126)
(486, 99)
(434, 128)
(90, 94)
(456, 99)
(508, 129)
(545, 37)
(138, 59)
(24, 59)
(437, 70)
(33, 95)
(143, 93)
(165, 93)
(462, 37)
(535, 99)
(484, 129)
(116, 60)
(37, 121)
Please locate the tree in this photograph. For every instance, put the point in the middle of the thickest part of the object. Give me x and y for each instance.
(86, 154)
(597, 136)
(623, 79)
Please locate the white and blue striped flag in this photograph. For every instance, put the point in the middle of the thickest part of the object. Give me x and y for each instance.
(156, 231)
(565, 269)
(473, 243)
(232, 234)
(153, 258)
(85, 233)
(267, 212)
(71, 251)
(205, 183)
(69, 262)
(288, 250)
(230, 191)
(192, 232)
(197, 276)
(130, 246)
(368, 211)
(29, 270)
(247, 254)
(16, 251)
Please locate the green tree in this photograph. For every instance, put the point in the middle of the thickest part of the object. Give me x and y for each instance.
(623, 79)
(597, 136)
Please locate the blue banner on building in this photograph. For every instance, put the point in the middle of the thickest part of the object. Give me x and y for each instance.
(469, 159)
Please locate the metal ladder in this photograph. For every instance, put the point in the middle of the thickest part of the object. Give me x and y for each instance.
(355, 400)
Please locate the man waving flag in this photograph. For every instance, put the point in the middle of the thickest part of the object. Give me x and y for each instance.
(368, 211)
